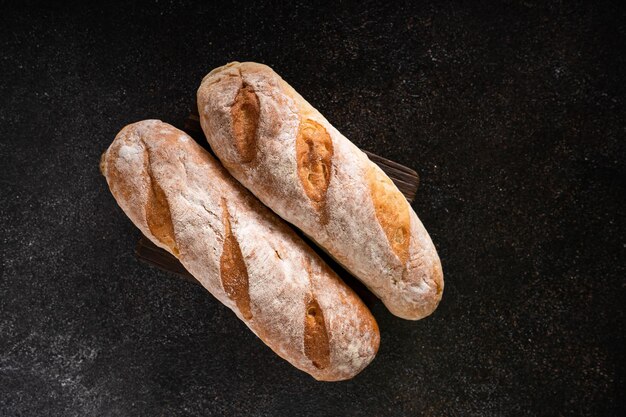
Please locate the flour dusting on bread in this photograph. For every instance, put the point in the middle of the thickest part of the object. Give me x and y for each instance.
(185, 202)
(308, 173)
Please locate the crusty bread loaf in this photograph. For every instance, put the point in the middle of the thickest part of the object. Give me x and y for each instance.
(284, 151)
(185, 202)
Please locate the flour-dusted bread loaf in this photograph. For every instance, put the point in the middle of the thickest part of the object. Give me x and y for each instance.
(284, 151)
(185, 202)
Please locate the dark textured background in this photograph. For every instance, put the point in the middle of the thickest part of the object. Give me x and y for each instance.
(512, 112)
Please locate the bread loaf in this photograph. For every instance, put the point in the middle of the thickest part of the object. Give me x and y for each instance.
(284, 151)
(243, 254)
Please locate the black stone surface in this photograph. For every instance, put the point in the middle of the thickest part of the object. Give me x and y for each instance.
(512, 113)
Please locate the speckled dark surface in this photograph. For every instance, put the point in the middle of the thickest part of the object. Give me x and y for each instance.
(513, 114)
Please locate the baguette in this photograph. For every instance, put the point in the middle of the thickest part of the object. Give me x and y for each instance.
(284, 151)
(186, 203)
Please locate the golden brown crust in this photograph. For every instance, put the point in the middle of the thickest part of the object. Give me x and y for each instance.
(158, 214)
(233, 271)
(392, 211)
(314, 152)
(245, 113)
(316, 346)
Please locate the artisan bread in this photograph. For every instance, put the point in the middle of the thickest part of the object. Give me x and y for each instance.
(284, 151)
(185, 202)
